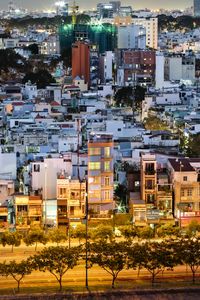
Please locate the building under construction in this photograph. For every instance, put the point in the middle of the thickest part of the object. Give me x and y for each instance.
(103, 35)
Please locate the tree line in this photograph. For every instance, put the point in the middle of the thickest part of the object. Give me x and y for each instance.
(113, 257)
(36, 236)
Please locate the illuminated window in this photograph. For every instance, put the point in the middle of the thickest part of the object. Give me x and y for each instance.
(107, 151)
(62, 192)
(106, 166)
(94, 151)
(95, 194)
(189, 192)
(94, 166)
(107, 195)
(107, 181)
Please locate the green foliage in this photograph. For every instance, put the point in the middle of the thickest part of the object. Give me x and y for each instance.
(168, 230)
(155, 123)
(57, 261)
(192, 228)
(33, 48)
(35, 236)
(189, 252)
(109, 256)
(129, 232)
(120, 194)
(57, 236)
(145, 232)
(156, 257)
(16, 270)
(129, 96)
(41, 78)
(192, 147)
(11, 238)
(79, 232)
(9, 59)
(103, 233)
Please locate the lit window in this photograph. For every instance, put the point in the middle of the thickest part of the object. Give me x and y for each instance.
(107, 166)
(107, 151)
(94, 165)
(107, 181)
(107, 195)
(94, 151)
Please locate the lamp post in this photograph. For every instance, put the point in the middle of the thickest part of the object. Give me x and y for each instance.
(86, 236)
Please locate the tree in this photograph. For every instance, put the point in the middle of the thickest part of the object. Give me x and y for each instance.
(129, 232)
(41, 78)
(57, 236)
(79, 232)
(16, 270)
(34, 237)
(103, 232)
(193, 228)
(155, 123)
(192, 146)
(145, 232)
(189, 251)
(157, 257)
(11, 238)
(109, 256)
(168, 230)
(57, 261)
(121, 195)
(34, 48)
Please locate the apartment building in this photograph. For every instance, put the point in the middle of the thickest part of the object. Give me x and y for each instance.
(100, 173)
(71, 195)
(151, 26)
(185, 179)
(28, 211)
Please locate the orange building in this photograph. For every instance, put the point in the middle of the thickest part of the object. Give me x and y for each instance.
(81, 60)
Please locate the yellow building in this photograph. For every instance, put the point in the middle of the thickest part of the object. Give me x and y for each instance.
(71, 195)
(28, 210)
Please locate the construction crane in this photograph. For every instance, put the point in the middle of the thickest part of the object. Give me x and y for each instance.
(75, 9)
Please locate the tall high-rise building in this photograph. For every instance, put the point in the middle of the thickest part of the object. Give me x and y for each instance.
(81, 60)
(100, 172)
(197, 8)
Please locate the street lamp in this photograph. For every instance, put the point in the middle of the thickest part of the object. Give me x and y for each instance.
(86, 236)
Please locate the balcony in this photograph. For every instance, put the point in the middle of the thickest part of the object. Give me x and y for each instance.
(150, 172)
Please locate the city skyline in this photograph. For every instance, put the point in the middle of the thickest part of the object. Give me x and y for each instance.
(152, 4)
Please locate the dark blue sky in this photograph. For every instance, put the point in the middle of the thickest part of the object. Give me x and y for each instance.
(38, 4)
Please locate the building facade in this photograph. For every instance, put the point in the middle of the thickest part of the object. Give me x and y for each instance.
(81, 61)
(100, 173)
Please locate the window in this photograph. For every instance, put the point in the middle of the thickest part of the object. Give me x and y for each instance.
(95, 194)
(184, 178)
(182, 193)
(94, 166)
(71, 211)
(189, 192)
(36, 168)
(107, 195)
(94, 151)
(106, 166)
(107, 151)
(62, 192)
(107, 181)
(149, 184)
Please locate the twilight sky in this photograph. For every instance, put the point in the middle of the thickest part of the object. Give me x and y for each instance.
(38, 4)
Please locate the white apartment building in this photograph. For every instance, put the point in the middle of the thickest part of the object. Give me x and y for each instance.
(106, 66)
(50, 46)
(151, 26)
(131, 37)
